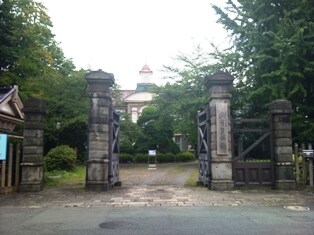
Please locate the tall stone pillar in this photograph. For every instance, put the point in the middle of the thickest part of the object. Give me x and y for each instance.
(280, 111)
(98, 130)
(32, 161)
(219, 86)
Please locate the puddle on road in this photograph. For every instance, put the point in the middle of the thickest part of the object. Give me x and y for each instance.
(117, 225)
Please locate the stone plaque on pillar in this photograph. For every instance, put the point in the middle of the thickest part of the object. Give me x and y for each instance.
(219, 86)
(222, 128)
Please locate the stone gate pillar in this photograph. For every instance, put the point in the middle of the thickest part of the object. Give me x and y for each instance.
(219, 86)
(32, 161)
(98, 130)
(280, 111)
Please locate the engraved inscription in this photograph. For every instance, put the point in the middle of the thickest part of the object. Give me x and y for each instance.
(222, 128)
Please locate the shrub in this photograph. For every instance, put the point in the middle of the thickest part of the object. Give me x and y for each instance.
(60, 158)
(167, 157)
(185, 157)
(125, 158)
(141, 158)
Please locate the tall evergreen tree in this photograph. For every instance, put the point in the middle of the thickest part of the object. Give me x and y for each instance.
(272, 55)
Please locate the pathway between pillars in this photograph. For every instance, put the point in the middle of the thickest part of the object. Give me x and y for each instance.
(163, 187)
(152, 196)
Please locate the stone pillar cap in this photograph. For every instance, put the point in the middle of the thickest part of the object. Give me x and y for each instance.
(100, 76)
(280, 106)
(34, 105)
(219, 78)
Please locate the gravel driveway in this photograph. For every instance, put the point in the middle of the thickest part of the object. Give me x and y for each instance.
(176, 174)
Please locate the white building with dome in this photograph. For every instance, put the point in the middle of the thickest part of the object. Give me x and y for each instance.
(136, 100)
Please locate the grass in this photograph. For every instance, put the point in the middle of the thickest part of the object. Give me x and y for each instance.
(193, 178)
(65, 178)
(255, 160)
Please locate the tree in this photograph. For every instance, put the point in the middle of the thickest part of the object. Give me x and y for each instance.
(157, 132)
(31, 58)
(129, 133)
(67, 104)
(272, 55)
(181, 100)
(27, 46)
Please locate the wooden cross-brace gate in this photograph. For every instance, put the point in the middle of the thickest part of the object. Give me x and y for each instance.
(203, 147)
(253, 153)
(114, 151)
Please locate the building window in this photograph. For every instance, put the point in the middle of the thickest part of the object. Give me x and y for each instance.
(177, 140)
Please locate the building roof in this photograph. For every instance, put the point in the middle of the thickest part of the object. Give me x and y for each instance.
(126, 93)
(145, 69)
(11, 105)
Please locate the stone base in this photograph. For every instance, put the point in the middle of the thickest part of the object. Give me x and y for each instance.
(30, 187)
(97, 186)
(119, 183)
(221, 185)
(285, 184)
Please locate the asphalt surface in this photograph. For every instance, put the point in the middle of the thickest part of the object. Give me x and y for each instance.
(147, 203)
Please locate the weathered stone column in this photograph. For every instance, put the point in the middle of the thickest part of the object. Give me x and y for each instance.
(280, 111)
(98, 125)
(32, 161)
(219, 86)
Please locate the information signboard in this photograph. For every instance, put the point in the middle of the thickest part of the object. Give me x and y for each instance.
(152, 152)
(152, 159)
(3, 146)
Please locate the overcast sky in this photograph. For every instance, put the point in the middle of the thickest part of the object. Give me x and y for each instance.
(120, 36)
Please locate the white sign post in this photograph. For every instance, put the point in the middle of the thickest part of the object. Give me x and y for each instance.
(310, 155)
(152, 159)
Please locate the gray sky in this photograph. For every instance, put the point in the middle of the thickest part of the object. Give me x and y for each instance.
(120, 36)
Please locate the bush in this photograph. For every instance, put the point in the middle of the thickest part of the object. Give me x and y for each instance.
(141, 158)
(60, 158)
(125, 158)
(167, 157)
(185, 157)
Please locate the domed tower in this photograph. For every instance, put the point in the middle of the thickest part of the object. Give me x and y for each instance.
(142, 96)
(145, 83)
(146, 74)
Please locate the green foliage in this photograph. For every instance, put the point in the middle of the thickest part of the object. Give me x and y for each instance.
(60, 158)
(157, 131)
(185, 157)
(125, 158)
(181, 100)
(27, 46)
(141, 158)
(271, 57)
(166, 157)
(67, 103)
(75, 135)
(129, 133)
(32, 59)
(66, 178)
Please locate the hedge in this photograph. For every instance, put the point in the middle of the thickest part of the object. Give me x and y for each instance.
(185, 157)
(161, 157)
(125, 158)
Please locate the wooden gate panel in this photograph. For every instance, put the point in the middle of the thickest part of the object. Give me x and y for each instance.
(203, 147)
(248, 171)
(114, 151)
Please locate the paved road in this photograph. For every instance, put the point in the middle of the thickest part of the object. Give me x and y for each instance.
(152, 206)
(157, 220)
